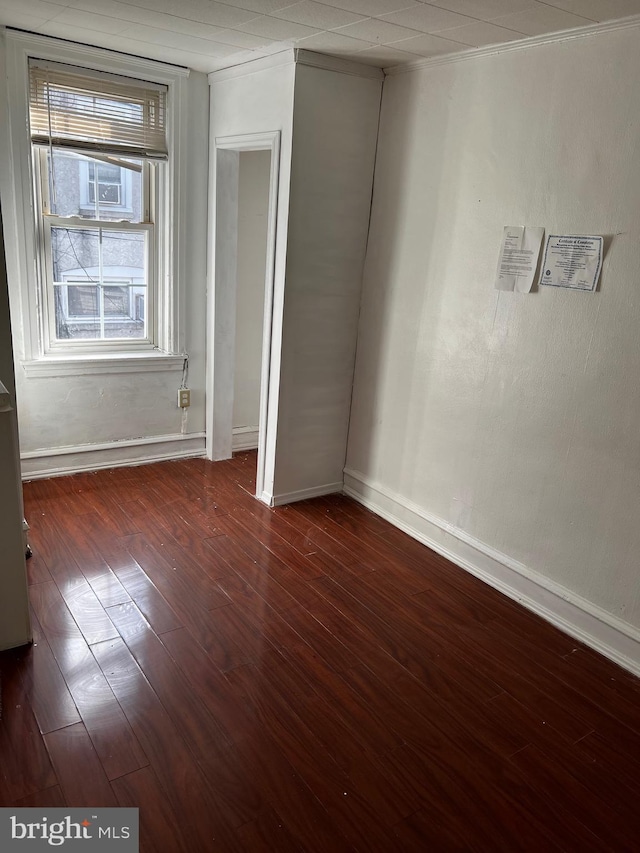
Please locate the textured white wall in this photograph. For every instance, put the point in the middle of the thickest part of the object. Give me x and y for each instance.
(511, 417)
(334, 136)
(253, 209)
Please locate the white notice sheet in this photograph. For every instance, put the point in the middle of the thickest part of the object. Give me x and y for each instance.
(573, 262)
(518, 258)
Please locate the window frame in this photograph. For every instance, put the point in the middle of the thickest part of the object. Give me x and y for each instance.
(48, 284)
(17, 182)
(45, 221)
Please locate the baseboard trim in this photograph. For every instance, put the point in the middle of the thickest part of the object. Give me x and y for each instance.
(60, 461)
(244, 438)
(305, 494)
(569, 612)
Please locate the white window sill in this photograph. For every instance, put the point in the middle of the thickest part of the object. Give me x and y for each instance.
(94, 363)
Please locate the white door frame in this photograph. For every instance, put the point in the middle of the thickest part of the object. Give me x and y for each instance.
(222, 297)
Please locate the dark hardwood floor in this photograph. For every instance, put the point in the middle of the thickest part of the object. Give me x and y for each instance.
(305, 678)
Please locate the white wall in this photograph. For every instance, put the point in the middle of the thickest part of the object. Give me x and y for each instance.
(61, 417)
(14, 605)
(328, 121)
(335, 126)
(500, 425)
(245, 101)
(253, 209)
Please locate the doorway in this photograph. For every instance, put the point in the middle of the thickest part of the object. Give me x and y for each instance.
(245, 190)
(251, 263)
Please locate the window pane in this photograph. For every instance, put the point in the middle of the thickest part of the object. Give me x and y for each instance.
(116, 302)
(120, 309)
(76, 312)
(100, 283)
(89, 188)
(80, 253)
(74, 252)
(126, 249)
(91, 312)
(83, 300)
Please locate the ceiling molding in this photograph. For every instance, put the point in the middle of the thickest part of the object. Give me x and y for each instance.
(297, 56)
(336, 63)
(631, 22)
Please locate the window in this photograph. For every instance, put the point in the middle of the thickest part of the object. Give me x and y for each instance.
(98, 150)
(104, 183)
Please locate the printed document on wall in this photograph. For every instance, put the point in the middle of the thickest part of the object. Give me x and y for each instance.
(518, 258)
(573, 262)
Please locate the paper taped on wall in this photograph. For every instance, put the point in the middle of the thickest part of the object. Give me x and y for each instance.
(573, 262)
(518, 258)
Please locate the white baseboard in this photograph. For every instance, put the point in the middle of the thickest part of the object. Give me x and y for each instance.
(266, 498)
(305, 494)
(244, 438)
(58, 461)
(576, 616)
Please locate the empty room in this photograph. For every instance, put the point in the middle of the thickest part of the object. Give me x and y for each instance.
(318, 424)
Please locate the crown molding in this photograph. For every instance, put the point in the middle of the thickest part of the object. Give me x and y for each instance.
(297, 56)
(336, 63)
(631, 22)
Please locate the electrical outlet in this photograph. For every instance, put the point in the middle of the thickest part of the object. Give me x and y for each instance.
(184, 398)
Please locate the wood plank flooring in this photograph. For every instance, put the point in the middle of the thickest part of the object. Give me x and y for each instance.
(300, 679)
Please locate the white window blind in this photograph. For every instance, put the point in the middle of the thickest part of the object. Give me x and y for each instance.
(89, 111)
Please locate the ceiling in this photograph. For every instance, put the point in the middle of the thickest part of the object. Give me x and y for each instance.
(208, 35)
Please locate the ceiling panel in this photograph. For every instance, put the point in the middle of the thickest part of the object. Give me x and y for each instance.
(479, 34)
(241, 40)
(180, 41)
(371, 8)
(600, 10)
(428, 19)
(334, 43)
(426, 45)
(207, 34)
(276, 29)
(140, 15)
(546, 19)
(318, 15)
(385, 56)
(485, 10)
(377, 31)
(91, 21)
(260, 7)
